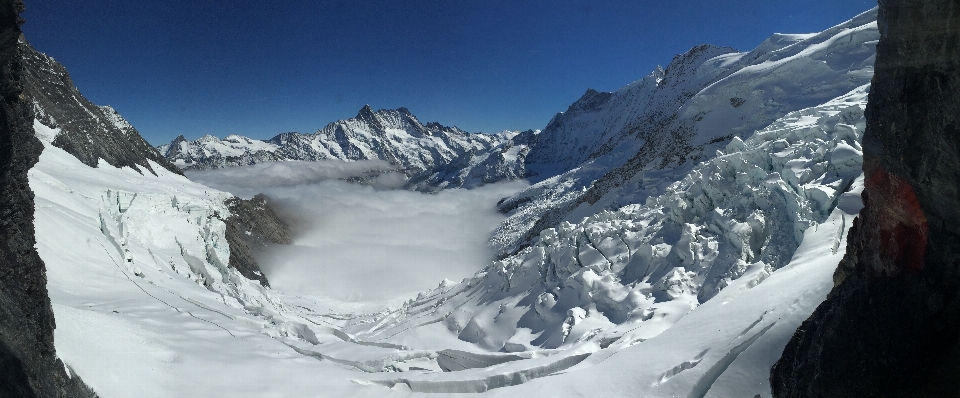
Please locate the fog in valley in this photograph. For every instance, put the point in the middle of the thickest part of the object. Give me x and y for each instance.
(360, 247)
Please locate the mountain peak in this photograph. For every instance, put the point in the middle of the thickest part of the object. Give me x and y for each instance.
(365, 111)
(591, 101)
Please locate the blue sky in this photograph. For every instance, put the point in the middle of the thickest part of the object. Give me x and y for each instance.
(260, 68)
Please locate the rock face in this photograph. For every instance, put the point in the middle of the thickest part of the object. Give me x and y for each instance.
(87, 131)
(28, 362)
(890, 325)
(252, 225)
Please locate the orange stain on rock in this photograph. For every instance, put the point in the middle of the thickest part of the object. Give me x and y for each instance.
(903, 231)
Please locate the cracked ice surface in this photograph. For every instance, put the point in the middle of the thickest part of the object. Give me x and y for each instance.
(745, 242)
(144, 303)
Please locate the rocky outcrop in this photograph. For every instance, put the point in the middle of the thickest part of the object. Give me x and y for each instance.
(28, 362)
(87, 131)
(891, 325)
(252, 225)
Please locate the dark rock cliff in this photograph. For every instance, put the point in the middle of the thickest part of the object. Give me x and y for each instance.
(28, 362)
(891, 325)
(252, 225)
(88, 131)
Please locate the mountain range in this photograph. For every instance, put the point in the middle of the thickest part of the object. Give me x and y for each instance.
(677, 234)
(432, 155)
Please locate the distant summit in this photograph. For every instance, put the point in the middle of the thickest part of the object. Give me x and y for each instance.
(432, 154)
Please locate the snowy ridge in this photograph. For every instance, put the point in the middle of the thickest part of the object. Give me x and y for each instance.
(87, 131)
(114, 118)
(598, 154)
(447, 156)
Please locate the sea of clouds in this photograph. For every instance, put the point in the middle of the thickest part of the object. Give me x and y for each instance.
(366, 246)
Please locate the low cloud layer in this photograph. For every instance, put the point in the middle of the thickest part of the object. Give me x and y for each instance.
(250, 180)
(363, 245)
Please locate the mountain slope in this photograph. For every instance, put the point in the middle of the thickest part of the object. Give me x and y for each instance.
(696, 222)
(764, 218)
(625, 146)
(745, 241)
(87, 131)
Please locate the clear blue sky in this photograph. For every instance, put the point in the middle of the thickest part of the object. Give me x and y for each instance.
(259, 68)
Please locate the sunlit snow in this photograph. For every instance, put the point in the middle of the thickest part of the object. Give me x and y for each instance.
(693, 291)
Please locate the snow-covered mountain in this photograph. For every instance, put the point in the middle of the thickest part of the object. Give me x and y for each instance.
(446, 155)
(609, 150)
(745, 243)
(679, 232)
(87, 131)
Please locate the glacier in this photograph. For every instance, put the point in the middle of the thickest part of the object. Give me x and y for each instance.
(677, 233)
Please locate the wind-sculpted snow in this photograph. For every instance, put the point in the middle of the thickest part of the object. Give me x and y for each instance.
(619, 278)
(613, 149)
(435, 156)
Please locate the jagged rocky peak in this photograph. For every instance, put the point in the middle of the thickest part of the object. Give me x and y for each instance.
(85, 130)
(432, 153)
(687, 63)
(400, 119)
(889, 326)
(366, 114)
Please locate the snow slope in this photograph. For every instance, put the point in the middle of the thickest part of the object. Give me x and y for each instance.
(613, 149)
(777, 204)
(146, 307)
